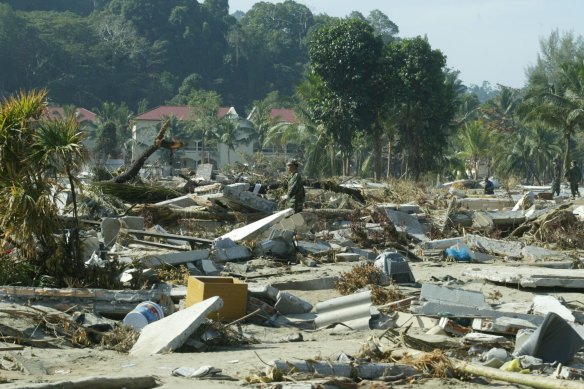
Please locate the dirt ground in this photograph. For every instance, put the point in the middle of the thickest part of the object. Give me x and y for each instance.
(71, 364)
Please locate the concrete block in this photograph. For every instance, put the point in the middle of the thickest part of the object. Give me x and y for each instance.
(277, 248)
(205, 171)
(367, 254)
(409, 208)
(241, 196)
(317, 247)
(224, 249)
(110, 227)
(290, 304)
(347, 257)
(269, 292)
(133, 222)
(208, 267)
(171, 332)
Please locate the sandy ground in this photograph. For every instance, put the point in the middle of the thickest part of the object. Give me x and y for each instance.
(239, 362)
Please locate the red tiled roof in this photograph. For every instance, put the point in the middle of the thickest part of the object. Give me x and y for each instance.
(81, 114)
(284, 115)
(181, 112)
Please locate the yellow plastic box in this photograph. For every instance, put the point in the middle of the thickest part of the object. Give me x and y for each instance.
(232, 291)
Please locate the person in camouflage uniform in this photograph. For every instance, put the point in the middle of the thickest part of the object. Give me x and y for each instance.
(295, 196)
(573, 174)
(557, 176)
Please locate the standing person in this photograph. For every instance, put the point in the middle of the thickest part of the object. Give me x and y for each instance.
(557, 177)
(489, 186)
(573, 175)
(296, 194)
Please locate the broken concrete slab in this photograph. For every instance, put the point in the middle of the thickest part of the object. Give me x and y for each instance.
(444, 295)
(409, 224)
(239, 194)
(491, 219)
(224, 249)
(318, 247)
(502, 325)
(526, 202)
(300, 222)
(494, 246)
(529, 277)
(204, 171)
(171, 332)
(174, 258)
(182, 201)
(252, 230)
(160, 230)
(280, 243)
(476, 204)
(314, 284)
(540, 254)
(477, 338)
(544, 304)
(441, 243)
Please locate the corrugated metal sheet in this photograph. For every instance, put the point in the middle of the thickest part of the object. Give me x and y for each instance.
(354, 311)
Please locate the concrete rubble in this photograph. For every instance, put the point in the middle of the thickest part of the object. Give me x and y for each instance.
(473, 280)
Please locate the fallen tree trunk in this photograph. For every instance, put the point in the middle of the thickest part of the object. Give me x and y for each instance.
(144, 382)
(535, 381)
(159, 142)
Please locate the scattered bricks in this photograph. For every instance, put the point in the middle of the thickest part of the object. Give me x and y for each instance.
(453, 328)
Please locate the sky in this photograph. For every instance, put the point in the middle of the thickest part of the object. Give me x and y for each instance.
(486, 40)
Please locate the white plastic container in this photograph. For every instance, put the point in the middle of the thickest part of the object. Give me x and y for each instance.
(144, 314)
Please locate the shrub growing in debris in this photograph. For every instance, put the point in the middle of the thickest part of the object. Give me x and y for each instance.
(367, 275)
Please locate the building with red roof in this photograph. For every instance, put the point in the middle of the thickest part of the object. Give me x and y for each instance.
(147, 125)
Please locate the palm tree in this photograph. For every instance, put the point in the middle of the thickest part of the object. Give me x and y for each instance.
(559, 106)
(28, 215)
(59, 144)
(528, 152)
(476, 143)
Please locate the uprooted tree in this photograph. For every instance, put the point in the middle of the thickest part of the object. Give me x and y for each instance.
(159, 142)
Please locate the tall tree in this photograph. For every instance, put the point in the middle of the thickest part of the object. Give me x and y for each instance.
(423, 99)
(346, 55)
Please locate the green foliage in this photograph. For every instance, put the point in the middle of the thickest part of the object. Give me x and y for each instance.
(423, 102)
(14, 272)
